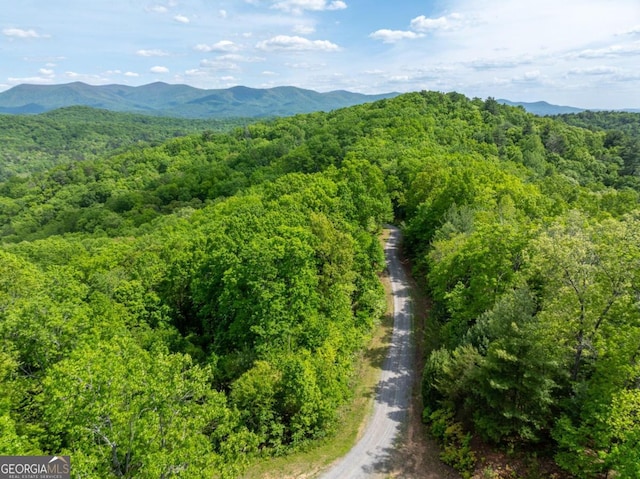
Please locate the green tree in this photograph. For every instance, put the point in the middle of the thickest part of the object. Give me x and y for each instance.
(514, 389)
(127, 412)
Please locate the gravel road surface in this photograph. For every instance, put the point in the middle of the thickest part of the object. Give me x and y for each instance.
(371, 456)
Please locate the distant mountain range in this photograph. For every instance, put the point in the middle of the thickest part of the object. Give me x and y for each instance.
(183, 101)
(542, 108)
(180, 101)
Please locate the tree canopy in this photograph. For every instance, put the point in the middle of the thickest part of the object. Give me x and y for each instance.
(177, 310)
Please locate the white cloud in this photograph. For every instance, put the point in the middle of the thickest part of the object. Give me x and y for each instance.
(544, 28)
(93, 79)
(159, 69)
(269, 73)
(295, 43)
(633, 31)
(499, 64)
(337, 5)
(157, 9)
(532, 75)
(304, 29)
(501, 81)
(533, 46)
(181, 19)
(307, 66)
(219, 65)
(234, 57)
(131, 74)
(152, 53)
(46, 72)
(393, 36)
(20, 33)
(221, 46)
(419, 27)
(628, 49)
(299, 6)
(595, 70)
(222, 13)
(32, 80)
(228, 78)
(625, 76)
(447, 22)
(409, 77)
(195, 72)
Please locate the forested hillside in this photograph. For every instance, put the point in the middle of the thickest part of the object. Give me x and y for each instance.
(181, 309)
(38, 142)
(622, 133)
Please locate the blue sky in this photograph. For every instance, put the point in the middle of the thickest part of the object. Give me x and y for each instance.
(583, 53)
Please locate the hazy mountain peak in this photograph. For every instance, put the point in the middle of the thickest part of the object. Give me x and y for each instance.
(164, 99)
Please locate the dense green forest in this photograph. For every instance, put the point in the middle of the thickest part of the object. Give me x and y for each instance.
(622, 132)
(33, 143)
(181, 309)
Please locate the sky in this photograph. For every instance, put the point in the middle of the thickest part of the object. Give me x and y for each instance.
(583, 53)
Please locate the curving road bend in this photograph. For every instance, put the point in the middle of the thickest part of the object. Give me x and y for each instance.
(371, 456)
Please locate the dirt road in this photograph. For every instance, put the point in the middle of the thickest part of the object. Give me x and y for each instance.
(371, 456)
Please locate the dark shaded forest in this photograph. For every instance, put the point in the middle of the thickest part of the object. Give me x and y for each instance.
(179, 310)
